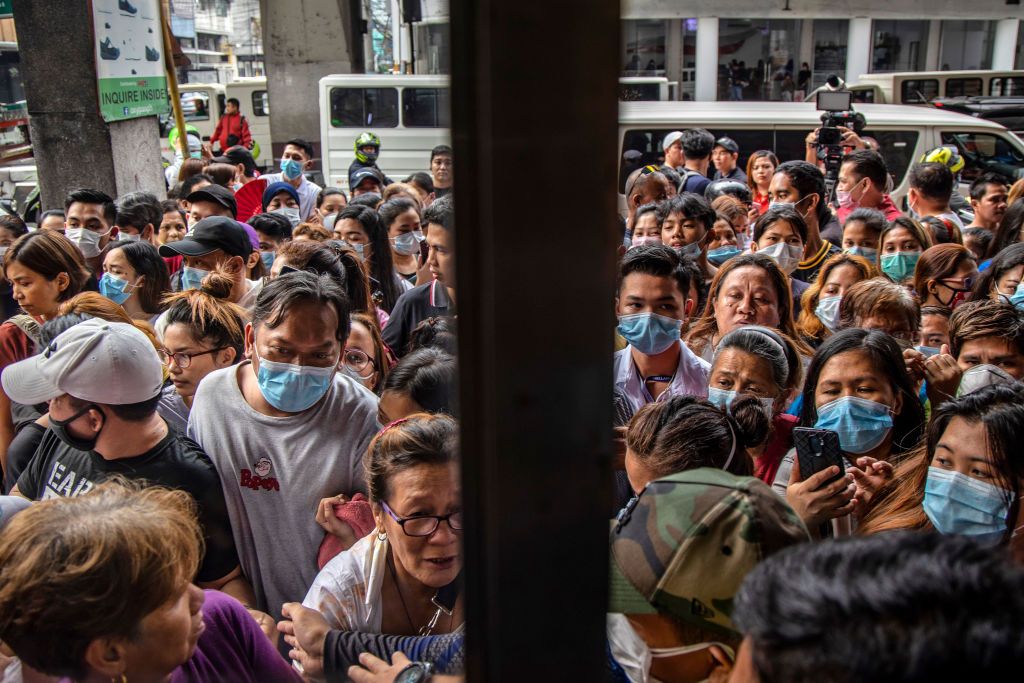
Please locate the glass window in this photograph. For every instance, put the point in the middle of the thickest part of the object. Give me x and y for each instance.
(919, 90)
(260, 103)
(644, 43)
(1007, 86)
(425, 108)
(364, 107)
(898, 45)
(967, 45)
(897, 148)
(195, 106)
(985, 152)
(964, 87)
(758, 58)
(829, 52)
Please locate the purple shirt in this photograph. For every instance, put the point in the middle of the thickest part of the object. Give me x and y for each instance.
(233, 648)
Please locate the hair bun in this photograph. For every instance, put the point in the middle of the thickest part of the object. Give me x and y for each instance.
(218, 283)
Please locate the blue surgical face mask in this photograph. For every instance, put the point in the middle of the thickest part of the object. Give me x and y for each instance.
(289, 212)
(358, 247)
(1017, 298)
(928, 351)
(114, 288)
(292, 388)
(291, 169)
(691, 250)
(407, 243)
(722, 254)
(723, 398)
(962, 505)
(827, 311)
(268, 259)
(649, 333)
(900, 265)
(861, 424)
(870, 253)
(192, 278)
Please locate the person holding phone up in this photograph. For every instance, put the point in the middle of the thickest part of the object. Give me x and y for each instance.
(858, 387)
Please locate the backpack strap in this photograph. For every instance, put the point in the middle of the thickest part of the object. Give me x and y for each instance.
(28, 325)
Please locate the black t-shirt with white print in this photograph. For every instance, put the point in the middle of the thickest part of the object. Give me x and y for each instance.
(177, 462)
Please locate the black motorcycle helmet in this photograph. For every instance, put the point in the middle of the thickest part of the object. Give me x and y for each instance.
(733, 188)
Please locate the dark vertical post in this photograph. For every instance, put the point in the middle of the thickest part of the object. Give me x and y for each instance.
(535, 135)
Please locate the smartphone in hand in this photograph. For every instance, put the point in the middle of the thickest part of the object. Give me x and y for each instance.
(817, 450)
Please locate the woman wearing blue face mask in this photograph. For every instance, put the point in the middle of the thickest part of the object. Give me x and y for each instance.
(724, 243)
(967, 478)
(819, 306)
(401, 219)
(900, 246)
(360, 227)
(135, 276)
(857, 386)
(861, 231)
(1003, 278)
(686, 222)
(764, 363)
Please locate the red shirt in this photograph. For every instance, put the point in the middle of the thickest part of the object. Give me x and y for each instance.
(232, 124)
(886, 207)
(14, 344)
(767, 464)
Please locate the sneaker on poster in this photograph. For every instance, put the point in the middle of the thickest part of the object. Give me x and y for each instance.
(126, 7)
(151, 54)
(108, 51)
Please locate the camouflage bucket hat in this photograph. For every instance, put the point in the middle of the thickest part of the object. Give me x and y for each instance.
(684, 546)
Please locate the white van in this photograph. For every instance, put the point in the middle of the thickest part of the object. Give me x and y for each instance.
(921, 87)
(409, 113)
(202, 105)
(904, 133)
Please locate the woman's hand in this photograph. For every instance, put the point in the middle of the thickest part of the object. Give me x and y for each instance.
(870, 475)
(914, 360)
(943, 375)
(305, 630)
(330, 523)
(815, 501)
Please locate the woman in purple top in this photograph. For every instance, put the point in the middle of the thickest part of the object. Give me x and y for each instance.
(99, 588)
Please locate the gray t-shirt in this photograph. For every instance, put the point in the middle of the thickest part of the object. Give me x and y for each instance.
(275, 470)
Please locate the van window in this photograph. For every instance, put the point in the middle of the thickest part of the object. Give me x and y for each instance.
(919, 90)
(195, 106)
(964, 87)
(984, 152)
(639, 92)
(1007, 86)
(425, 108)
(897, 148)
(260, 103)
(364, 107)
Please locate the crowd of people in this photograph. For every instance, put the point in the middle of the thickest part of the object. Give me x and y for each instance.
(230, 441)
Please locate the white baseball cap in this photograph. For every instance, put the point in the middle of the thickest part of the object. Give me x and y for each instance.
(670, 139)
(95, 361)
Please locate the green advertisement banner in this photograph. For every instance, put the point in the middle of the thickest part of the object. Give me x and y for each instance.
(130, 76)
(5, 9)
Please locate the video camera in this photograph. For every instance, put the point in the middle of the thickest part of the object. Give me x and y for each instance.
(838, 112)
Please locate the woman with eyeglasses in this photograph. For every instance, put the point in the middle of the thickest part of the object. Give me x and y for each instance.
(391, 580)
(205, 332)
(945, 275)
(366, 358)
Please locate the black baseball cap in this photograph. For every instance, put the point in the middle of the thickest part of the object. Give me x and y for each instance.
(238, 155)
(361, 174)
(210, 234)
(216, 194)
(728, 144)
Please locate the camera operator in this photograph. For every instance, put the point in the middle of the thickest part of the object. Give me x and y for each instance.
(863, 184)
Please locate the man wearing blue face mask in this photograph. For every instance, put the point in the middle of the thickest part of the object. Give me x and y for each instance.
(652, 306)
(286, 430)
(296, 158)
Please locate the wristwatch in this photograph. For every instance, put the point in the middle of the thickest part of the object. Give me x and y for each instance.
(416, 672)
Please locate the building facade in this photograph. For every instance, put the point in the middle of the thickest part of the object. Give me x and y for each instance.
(749, 50)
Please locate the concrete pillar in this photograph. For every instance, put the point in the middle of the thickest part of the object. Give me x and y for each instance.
(72, 144)
(674, 52)
(1004, 47)
(859, 43)
(933, 49)
(304, 40)
(806, 45)
(706, 61)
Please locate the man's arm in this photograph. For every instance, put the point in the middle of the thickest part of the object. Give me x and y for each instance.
(217, 131)
(245, 139)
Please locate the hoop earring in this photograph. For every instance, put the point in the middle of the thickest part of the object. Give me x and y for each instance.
(382, 535)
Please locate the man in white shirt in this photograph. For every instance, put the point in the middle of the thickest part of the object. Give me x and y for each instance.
(296, 158)
(652, 305)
